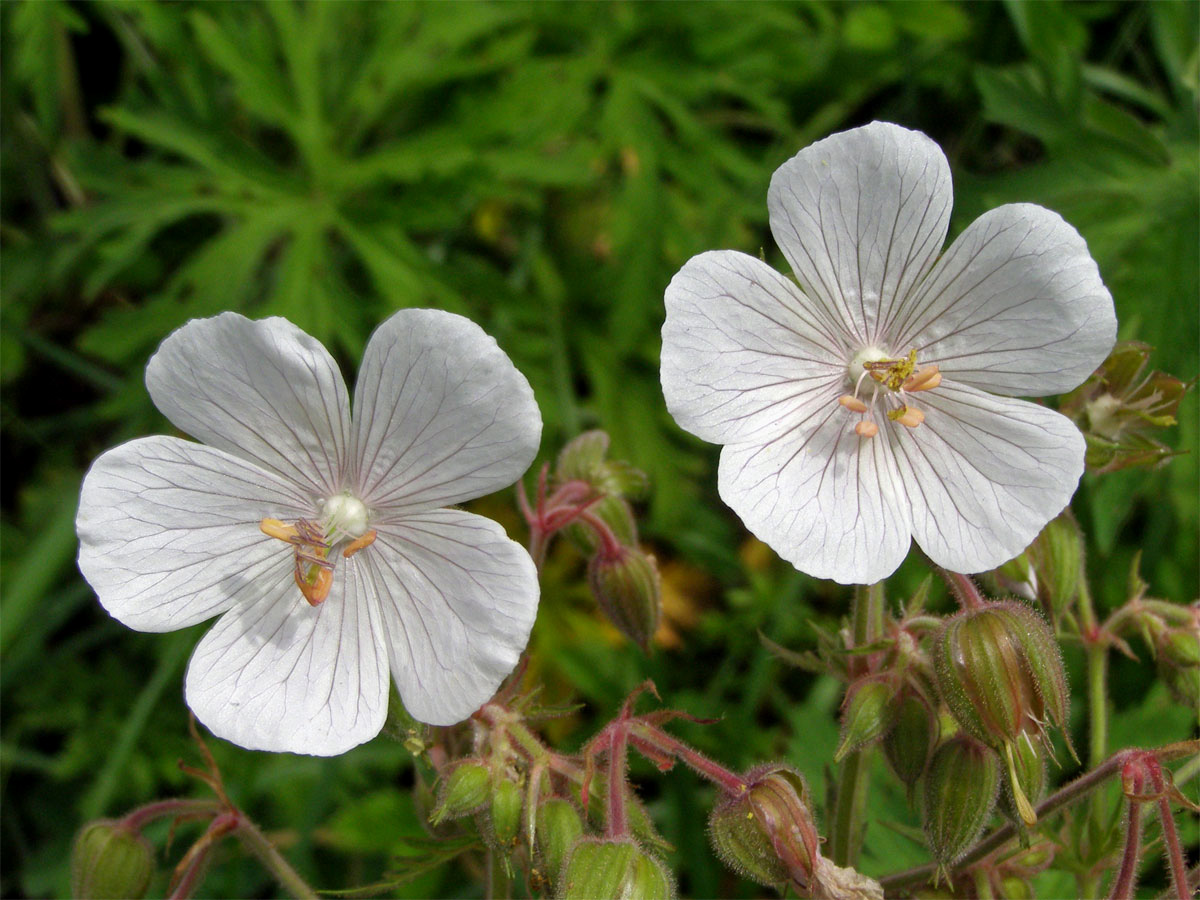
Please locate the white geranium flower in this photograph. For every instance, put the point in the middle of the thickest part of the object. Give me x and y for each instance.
(322, 537)
(875, 402)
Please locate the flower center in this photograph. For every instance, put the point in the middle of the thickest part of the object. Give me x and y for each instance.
(343, 521)
(872, 368)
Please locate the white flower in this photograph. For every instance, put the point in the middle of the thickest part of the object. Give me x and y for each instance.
(840, 444)
(321, 537)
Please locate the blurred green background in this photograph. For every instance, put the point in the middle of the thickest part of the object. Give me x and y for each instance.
(543, 169)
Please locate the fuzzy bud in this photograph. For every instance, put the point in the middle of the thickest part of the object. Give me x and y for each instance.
(909, 744)
(504, 813)
(583, 459)
(960, 790)
(559, 826)
(1057, 559)
(869, 713)
(465, 790)
(625, 583)
(767, 833)
(1025, 784)
(109, 860)
(1000, 672)
(1178, 654)
(613, 869)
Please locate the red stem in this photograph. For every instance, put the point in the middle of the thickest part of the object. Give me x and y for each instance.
(1170, 835)
(1122, 888)
(137, 819)
(729, 782)
(618, 823)
(964, 590)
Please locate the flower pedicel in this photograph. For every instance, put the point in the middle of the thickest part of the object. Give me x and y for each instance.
(322, 538)
(875, 402)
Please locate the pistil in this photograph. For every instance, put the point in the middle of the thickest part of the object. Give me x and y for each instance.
(897, 375)
(343, 516)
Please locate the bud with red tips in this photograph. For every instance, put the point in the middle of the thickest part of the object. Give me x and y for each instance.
(1000, 672)
(626, 585)
(960, 790)
(767, 832)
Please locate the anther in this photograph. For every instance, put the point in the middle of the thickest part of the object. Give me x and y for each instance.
(924, 379)
(909, 416)
(279, 530)
(852, 403)
(866, 429)
(358, 544)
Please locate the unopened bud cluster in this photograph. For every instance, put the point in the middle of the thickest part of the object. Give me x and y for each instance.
(109, 860)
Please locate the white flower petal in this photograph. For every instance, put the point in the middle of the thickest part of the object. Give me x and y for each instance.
(277, 674)
(984, 474)
(1016, 306)
(826, 500)
(262, 390)
(743, 353)
(441, 414)
(168, 530)
(458, 600)
(861, 216)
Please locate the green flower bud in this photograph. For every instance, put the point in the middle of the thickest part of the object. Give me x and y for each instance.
(613, 512)
(109, 860)
(1178, 657)
(504, 814)
(767, 833)
(627, 588)
(1057, 558)
(559, 826)
(960, 790)
(869, 712)
(908, 745)
(613, 870)
(583, 459)
(465, 790)
(1001, 674)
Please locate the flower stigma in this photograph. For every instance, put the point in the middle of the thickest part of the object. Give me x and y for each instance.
(898, 375)
(343, 519)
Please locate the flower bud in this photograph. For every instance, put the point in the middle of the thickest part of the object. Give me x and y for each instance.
(869, 712)
(559, 826)
(1057, 559)
(465, 790)
(583, 459)
(909, 744)
(960, 790)
(109, 860)
(504, 814)
(1178, 656)
(767, 833)
(1000, 672)
(613, 870)
(1025, 784)
(626, 586)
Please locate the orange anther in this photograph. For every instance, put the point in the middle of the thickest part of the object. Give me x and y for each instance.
(911, 417)
(358, 544)
(280, 530)
(866, 429)
(315, 583)
(852, 403)
(924, 379)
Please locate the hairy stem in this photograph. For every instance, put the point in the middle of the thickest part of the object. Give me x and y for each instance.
(1122, 888)
(846, 826)
(1097, 694)
(264, 851)
(137, 819)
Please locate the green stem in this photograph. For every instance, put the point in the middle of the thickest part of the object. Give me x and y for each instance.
(272, 860)
(845, 839)
(1097, 692)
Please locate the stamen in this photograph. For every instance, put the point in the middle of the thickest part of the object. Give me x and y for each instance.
(852, 403)
(924, 379)
(866, 429)
(908, 416)
(358, 544)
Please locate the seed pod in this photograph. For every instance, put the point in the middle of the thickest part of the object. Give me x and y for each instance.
(109, 860)
(559, 826)
(869, 713)
(627, 588)
(909, 744)
(767, 833)
(960, 790)
(465, 790)
(613, 869)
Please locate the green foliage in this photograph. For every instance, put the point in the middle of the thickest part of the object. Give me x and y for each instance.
(544, 169)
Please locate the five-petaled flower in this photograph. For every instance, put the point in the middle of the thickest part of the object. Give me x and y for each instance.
(322, 538)
(875, 402)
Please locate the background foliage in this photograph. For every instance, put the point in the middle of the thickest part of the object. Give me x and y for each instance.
(544, 169)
